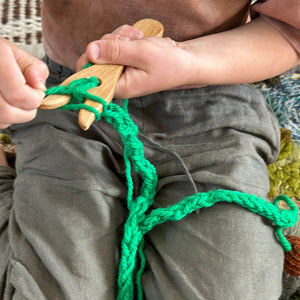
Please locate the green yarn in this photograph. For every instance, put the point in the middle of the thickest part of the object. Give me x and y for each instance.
(77, 90)
(140, 221)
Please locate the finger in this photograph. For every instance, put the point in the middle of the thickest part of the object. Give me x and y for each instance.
(83, 60)
(36, 74)
(171, 41)
(11, 115)
(26, 117)
(34, 70)
(130, 53)
(13, 86)
(160, 73)
(126, 31)
(123, 33)
(132, 83)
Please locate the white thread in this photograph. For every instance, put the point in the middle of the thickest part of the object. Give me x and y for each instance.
(24, 30)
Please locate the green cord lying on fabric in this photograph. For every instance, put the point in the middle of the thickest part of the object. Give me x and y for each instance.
(140, 221)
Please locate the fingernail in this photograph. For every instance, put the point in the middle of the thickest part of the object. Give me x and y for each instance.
(94, 51)
(136, 34)
(41, 86)
(40, 93)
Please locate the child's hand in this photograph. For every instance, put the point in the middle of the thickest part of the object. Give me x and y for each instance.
(22, 80)
(245, 54)
(153, 64)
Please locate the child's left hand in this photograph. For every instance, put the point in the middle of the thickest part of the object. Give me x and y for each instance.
(152, 64)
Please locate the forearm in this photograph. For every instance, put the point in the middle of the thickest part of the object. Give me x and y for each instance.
(250, 53)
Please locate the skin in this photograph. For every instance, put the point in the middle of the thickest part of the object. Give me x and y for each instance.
(22, 81)
(67, 29)
(241, 55)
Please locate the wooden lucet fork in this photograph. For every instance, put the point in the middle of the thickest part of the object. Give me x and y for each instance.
(108, 76)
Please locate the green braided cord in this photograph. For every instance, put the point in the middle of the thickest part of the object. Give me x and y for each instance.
(139, 222)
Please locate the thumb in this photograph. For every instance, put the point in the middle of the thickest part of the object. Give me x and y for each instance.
(128, 53)
(35, 71)
(36, 74)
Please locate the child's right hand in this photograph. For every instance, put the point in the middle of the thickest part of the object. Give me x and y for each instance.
(22, 81)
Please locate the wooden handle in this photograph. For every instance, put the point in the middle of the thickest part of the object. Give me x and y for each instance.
(108, 75)
(106, 90)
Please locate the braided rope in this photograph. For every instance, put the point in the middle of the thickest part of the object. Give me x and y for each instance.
(138, 222)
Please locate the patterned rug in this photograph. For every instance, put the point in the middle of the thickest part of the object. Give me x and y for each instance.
(283, 96)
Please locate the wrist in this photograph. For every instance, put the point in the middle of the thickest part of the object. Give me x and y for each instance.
(249, 53)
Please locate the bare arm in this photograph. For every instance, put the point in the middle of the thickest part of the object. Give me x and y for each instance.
(249, 53)
(252, 52)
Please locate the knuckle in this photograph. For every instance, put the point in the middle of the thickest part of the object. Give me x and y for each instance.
(23, 99)
(16, 98)
(37, 67)
(125, 27)
(111, 36)
(171, 41)
(123, 30)
(107, 36)
(114, 51)
(42, 67)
